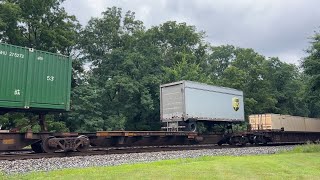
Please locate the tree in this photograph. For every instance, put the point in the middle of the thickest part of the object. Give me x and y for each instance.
(287, 86)
(121, 71)
(269, 85)
(311, 65)
(43, 25)
(177, 40)
(185, 71)
(242, 69)
(129, 63)
(218, 60)
(86, 113)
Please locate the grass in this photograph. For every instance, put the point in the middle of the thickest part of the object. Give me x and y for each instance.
(309, 148)
(301, 163)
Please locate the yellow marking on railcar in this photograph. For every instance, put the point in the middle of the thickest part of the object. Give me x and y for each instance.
(102, 134)
(8, 141)
(129, 134)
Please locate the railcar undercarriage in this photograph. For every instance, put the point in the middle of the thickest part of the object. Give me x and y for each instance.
(54, 142)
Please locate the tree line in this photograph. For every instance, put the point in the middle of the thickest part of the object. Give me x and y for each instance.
(119, 64)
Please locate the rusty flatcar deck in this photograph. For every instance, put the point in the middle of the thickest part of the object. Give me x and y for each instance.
(50, 142)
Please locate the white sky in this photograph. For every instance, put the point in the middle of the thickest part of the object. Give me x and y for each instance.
(279, 28)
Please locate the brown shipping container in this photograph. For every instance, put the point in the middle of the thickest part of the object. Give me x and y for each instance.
(260, 121)
(312, 125)
(288, 122)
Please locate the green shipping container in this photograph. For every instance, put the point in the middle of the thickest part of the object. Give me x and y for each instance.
(34, 80)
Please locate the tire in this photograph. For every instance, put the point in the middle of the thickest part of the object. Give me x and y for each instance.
(192, 126)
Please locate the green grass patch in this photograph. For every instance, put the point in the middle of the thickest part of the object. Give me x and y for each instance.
(305, 148)
(308, 148)
(277, 166)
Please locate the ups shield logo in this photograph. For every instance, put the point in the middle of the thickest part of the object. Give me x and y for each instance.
(235, 103)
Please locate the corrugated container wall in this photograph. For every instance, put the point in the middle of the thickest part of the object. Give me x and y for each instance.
(287, 122)
(185, 100)
(35, 80)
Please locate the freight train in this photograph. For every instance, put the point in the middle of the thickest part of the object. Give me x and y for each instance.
(40, 82)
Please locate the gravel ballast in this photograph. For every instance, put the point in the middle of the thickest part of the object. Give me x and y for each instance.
(24, 166)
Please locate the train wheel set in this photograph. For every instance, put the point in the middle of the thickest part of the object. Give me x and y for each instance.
(53, 142)
(265, 137)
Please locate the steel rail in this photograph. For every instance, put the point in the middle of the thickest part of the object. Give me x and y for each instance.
(12, 156)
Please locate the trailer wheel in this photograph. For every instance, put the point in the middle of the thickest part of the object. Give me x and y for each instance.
(192, 126)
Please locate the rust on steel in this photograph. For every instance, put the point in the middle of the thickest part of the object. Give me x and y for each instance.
(66, 134)
(29, 134)
(81, 141)
(8, 141)
(144, 133)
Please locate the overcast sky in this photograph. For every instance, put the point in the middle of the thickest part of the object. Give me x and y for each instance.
(279, 28)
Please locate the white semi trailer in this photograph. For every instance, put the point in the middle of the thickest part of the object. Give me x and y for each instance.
(184, 103)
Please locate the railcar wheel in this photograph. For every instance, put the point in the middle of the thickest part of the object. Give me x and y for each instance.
(243, 140)
(264, 141)
(231, 141)
(83, 143)
(36, 147)
(46, 145)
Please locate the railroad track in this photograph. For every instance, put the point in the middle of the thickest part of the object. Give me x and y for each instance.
(29, 154)
(101, 151)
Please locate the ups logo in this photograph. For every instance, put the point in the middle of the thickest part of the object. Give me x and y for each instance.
(235, 103)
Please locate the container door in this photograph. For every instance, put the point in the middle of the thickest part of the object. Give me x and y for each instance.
(13, 68)
(49, 76)
(172, 103)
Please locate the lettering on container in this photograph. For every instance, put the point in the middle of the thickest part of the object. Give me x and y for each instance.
(4, 53)
(50, 78)
(17, 92)
(11, 54)
(40, 58)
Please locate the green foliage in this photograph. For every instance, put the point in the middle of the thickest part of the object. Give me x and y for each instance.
(311, 65)
(22, 122)
(185, 71)
(201, 127)
(128, 62)
(269, 85)
(4, 121)
(85, 114)
(54, 123)
(312, 62)
(43, 25)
